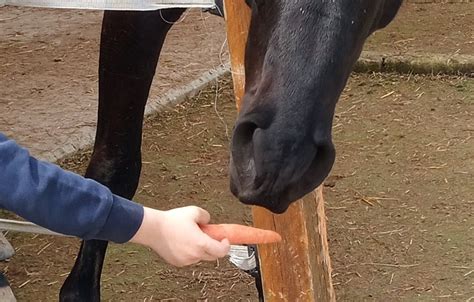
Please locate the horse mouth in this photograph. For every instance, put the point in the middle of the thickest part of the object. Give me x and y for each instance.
(276, 190)
(250, 197)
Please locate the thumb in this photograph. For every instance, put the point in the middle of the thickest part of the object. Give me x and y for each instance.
(201, 216)
(217, 248)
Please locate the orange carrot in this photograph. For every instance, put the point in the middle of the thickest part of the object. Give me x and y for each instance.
(240, 234)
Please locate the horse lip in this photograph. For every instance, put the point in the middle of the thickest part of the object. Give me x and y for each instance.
(251, 198)
(276, 198)
(256, 195)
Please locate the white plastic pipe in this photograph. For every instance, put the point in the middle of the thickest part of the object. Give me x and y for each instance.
(25, 227)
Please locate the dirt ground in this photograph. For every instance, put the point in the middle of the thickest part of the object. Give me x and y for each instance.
(399, 200)
(48, 70)
(48, 78)
(443, 28)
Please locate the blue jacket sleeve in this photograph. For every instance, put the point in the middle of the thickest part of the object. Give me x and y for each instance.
(62, 201)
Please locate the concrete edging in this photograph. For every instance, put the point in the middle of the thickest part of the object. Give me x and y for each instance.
(172, 97)
(438, 1)
(417, 64)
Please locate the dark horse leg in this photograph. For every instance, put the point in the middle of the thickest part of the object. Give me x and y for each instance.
(130, 46)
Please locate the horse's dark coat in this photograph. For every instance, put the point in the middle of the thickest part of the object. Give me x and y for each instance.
(299, 56)
(298, 60)
(130, 47)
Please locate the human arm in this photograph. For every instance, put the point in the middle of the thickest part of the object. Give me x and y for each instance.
(63, 201)
(71, 204)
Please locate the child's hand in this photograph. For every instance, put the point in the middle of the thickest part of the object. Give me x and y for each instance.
(175, 236)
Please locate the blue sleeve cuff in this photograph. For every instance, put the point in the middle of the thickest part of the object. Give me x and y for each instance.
(123, 222)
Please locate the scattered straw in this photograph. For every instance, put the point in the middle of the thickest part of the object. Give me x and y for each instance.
(387, 95)
(468, 273)
(390, 264)
(44, 248)
(24, 283)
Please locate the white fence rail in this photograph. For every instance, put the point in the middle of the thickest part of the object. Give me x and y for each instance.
(25, 227)
(140, 5)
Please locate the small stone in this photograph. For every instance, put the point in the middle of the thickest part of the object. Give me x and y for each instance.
(6, 249)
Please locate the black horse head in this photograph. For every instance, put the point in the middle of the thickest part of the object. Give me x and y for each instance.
(299, 56)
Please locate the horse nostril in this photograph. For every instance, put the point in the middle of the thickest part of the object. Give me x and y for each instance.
(320, 166)
(243, 150)
(243, 134)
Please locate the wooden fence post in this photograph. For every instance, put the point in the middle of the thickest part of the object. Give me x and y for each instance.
(299, 268)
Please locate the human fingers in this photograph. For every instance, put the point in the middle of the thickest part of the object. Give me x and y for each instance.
(208, 257)
(216, 248)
